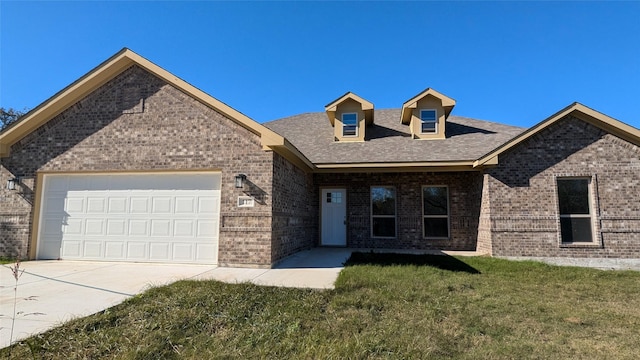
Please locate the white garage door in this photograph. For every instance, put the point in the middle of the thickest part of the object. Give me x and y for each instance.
(149, 218)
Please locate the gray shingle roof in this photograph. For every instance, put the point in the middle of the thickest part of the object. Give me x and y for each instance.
(390, 141)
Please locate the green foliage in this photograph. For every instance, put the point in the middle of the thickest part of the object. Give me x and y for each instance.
(394, 306)
(9, 116)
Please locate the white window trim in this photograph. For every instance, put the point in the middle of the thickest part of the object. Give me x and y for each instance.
(357, 127)
(395, 211)
(246, 201)
(595, 237)
(435, 121)
(448, 216)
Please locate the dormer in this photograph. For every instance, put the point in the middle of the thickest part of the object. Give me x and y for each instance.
(426, 114)
(349, 115)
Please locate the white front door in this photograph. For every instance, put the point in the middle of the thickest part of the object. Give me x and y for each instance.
(334, 217)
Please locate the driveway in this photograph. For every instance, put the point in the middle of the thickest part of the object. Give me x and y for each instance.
(53, 292)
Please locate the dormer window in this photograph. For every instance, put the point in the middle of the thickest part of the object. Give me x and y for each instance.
(349, 124)
(426, 114)
(349, 116)
(429, 121)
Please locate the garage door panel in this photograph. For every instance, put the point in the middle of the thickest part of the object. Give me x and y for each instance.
(141, 183)
(206, 228)
(52, 227)
(75, 205)
(161, 205)
(205, 252)
(137, 250)
(73, 227)
(49, 250)
(78, 183)
(208, 204)
(140, 205)
(183, 228)
(118, 205)
(160, 251)
(182, 252)
(58, 183)
(120, 183)
(93, 249)
(95, 227)
(97, 183)
(114, 249)
(71, 249)
(54, 203)
(160, 217)
(116, 227)
(185, 205)
(96, 205)
(160, 227)
(139, 227)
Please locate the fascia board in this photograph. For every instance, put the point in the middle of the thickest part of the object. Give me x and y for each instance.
(578, 110)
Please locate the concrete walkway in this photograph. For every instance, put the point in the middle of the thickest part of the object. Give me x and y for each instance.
(52, 292)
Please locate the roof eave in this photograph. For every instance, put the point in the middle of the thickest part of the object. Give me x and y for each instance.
(598, 119)
(366, 105)
(425, 166)
(101, 74)
(282, 146)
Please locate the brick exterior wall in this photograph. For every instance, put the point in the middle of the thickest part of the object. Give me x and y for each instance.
(15, 215)
(465, 189)
(484, 224)
(137, 122)
(295, 210)
(524, 219)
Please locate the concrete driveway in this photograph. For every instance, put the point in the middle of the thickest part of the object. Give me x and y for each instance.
(53, 292)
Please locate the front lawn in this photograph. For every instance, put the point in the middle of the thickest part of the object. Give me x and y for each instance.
(384, 306)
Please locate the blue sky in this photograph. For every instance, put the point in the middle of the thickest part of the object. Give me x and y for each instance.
(511, 62)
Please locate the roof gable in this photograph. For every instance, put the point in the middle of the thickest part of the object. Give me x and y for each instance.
(332, 107)
(447, 104)
(112, 67)
(584, 113)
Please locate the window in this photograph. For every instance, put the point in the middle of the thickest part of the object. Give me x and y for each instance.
(334, 197)
(575, 210)
(429, 120)
(435, 212)
(383, 212)
(350, 124)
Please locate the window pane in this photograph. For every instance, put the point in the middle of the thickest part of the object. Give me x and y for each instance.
(428, 127)
(428, 115)
(349, 130)
(435, 200)
(349, 119)
(576, 229)
(436, 227)
(573, 196)
(384, 227)
(383, 201)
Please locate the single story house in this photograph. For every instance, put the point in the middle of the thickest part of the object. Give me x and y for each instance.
(131, 163)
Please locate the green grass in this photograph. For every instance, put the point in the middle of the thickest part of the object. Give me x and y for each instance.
(389, 306)
(4, 260)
